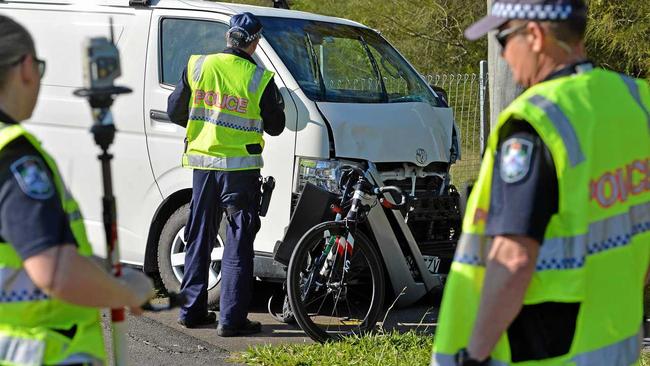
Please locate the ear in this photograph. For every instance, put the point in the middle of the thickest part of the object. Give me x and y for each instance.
(27, 70)
(536, 36)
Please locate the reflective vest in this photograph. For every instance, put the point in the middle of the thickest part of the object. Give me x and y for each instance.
(224, 113)
(29, 318)
(596, 248)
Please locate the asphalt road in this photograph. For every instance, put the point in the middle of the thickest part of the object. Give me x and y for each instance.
(156, 338)
(152, 343)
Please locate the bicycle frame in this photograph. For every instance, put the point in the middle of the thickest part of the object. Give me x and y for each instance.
(404, 285)
(408, 288)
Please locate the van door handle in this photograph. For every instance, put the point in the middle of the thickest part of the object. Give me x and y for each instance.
(159, 116)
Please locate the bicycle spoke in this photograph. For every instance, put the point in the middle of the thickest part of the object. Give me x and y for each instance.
(347, 303)
(363, 313)
(315, 299)
(338, 295)
(338, 288)
(322, 303)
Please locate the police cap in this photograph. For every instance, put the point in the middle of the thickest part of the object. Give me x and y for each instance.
(245, 27)
(540, 10)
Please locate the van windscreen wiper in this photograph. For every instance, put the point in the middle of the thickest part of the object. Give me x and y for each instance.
(373, 62)
(315, 65)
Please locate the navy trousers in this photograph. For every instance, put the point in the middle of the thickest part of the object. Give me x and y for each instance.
(214, 192)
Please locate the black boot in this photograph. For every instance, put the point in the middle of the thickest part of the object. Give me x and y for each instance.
(249, 327)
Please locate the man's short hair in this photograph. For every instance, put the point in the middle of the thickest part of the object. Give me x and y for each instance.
(571, 32)
(240, 38)
(15, 42)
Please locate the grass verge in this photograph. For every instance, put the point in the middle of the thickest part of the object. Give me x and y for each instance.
(392, 348)
(387, 349)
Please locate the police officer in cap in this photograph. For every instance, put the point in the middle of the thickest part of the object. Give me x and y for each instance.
(227, 102)
(50, 288)
(554, 254)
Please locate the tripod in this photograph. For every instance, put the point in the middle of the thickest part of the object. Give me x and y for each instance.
(103, 131)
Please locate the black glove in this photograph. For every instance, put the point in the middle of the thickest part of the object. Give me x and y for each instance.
(464, 359)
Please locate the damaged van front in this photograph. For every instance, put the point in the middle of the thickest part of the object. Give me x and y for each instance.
(363, 103)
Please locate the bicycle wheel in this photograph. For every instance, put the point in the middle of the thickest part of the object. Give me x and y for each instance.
(335, 286)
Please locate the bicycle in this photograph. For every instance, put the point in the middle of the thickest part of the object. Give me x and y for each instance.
(335, 282)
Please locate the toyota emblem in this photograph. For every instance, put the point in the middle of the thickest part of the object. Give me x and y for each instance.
(421, 156)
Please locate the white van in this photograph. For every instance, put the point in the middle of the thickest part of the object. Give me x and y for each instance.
(349, 96)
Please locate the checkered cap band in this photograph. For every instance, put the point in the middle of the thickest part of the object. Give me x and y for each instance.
(248, 37)
(532, 11)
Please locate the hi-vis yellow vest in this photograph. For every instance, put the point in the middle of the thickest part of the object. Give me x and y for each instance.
(596, 249)
(28, 317)
(224, 113)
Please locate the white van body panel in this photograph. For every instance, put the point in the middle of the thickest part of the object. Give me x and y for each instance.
(231, 9)
(378, 132)
(165, 140)
(63, 121)
(148, 150)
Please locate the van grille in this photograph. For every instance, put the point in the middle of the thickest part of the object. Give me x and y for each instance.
(435, 221)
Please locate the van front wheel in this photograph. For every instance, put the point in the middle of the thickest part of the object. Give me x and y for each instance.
(171, 255)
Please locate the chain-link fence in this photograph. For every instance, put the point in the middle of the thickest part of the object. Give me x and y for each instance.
(467, 96)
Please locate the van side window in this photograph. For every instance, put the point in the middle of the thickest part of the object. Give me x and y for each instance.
(181, 38)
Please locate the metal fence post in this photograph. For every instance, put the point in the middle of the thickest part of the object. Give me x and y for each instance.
(485, 125)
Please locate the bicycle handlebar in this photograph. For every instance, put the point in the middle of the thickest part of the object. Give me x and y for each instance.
(390, 205)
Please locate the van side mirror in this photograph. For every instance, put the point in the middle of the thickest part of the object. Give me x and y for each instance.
(442, 95)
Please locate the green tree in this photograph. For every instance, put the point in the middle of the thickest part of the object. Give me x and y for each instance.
(430, 32)
(618, 35)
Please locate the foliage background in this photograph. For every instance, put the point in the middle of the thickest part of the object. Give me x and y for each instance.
(430, 32)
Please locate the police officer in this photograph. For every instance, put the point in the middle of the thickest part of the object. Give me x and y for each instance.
(552, 261)
(227, 103)
(50, 288)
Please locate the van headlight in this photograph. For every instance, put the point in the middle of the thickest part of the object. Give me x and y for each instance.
(322, 173)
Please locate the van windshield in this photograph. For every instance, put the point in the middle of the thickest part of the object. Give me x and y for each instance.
(340, 63)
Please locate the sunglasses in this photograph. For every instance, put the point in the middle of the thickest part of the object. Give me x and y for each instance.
(502, 36)
(40, 64)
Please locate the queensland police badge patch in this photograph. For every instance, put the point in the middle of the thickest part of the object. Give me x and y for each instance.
(516, 154)
(31, 174)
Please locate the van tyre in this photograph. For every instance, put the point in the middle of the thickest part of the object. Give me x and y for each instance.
(171, 249)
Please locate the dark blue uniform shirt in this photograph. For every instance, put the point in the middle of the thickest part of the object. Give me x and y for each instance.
(31, 215)
(271, 104)
(524, 183)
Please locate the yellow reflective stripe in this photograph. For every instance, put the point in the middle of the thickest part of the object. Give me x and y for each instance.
(634, 90)
(625, 352)
(17, 286)
(568, 252)
(198, 66)
(563, 127)
(223, 119)
(257, 79)
(21, 351)
(211, 162)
